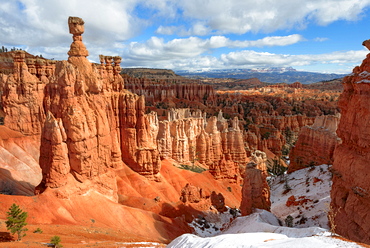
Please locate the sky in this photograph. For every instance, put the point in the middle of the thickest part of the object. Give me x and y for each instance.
(309, 35)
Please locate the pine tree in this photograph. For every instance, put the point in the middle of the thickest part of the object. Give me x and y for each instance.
(55, 240)
(16, 221)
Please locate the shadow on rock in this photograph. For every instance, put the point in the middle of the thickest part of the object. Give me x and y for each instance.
(10, 186)
(6, 237)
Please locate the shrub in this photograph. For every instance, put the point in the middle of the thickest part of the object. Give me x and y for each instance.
(192, 168)
(55, 240)
(275, 168)
(287, 188)
(38, 230)
(289, 221)
(16, 221)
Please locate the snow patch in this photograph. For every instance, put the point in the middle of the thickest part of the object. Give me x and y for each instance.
(261, 230)
(366, 81)
(310, 188)
(364, 74)
(213, 223)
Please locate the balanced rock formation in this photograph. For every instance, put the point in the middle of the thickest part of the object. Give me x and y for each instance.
(255, 192)
(76, 27)
(315, 144)
(351, 187)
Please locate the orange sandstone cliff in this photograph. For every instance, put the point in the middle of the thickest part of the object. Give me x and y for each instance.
(315, 144)
(350, 191)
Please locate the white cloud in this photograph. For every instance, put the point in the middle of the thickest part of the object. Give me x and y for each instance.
(156, 49)
(270, 41)
(241, 16)
(41, 27)
(198, 29)
(166, 30)
(247, 59)
(44, 23)
(320, 39)
(252, 58)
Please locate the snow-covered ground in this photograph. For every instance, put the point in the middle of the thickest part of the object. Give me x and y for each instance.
(304, 195)
(262, 230)
(307, 194)
(212, 224)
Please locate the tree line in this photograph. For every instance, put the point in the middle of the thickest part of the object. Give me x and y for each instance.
(5, 49)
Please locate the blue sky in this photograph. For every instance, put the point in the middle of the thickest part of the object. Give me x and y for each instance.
(312, 35)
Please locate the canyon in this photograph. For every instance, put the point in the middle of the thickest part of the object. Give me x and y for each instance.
(146, 152)
(74, 137)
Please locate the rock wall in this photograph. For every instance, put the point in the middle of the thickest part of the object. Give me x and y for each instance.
(272, 133)
(351, 188)
(158, 92)
(315, 144)
(22, 97)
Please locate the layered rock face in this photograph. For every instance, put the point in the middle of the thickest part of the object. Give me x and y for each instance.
(351, 188)
(315, 144)
(20, 171)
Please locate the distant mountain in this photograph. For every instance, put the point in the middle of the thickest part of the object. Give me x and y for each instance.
(268, 75)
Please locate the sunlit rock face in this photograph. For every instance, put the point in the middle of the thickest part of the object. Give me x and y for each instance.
(351, 185)
(216, 144)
